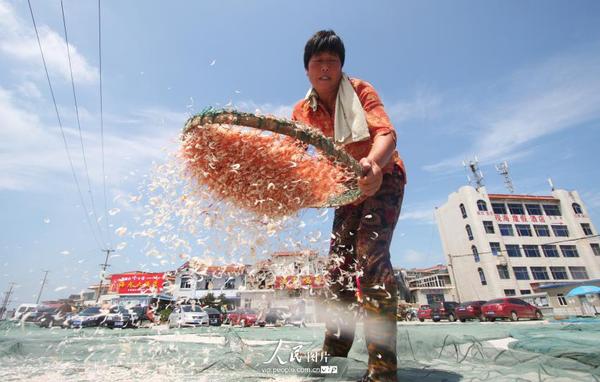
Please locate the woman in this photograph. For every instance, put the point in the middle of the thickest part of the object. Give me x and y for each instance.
(350, 111)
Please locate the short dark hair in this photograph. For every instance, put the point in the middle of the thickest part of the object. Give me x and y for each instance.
(324, 41)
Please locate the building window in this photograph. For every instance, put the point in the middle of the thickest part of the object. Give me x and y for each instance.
(541, 230)
(495, 247)
(481, 205)
(539, 273)
(550, 250)
(587, 230)
(569, 251)
(506, 230)
(475, 253)
(499, 208)
(186, 283)
(533, 209)
(595, 248)
(578, 273)
(481, 276)
(523, 229)
(463, 212)
(510, 292)
(577, 208)
(516, 208)
(531, 251)
(469, 232)
(559, 273)
(552, 209)
(513, 250)
(561, 299)
(560, 230)
(489, 226)
(503, 272)
(521, 273)
(525, 292)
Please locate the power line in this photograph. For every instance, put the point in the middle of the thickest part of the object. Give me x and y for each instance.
(102, 275)
(78, 121)
(521, 246)
(62, 132)
(102, 123)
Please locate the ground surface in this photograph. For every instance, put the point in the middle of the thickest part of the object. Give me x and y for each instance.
(501, 351)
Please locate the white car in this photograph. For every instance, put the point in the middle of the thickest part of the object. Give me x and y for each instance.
(188, 315)
(23, 311)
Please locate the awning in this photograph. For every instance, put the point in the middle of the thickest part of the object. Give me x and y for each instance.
(583, 290)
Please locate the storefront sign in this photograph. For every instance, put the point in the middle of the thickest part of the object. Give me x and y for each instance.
(137, 283)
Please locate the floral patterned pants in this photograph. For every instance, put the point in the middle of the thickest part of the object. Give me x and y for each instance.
(360, 251)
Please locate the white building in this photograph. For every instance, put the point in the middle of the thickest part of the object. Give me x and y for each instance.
(429, 285)
(500, 245)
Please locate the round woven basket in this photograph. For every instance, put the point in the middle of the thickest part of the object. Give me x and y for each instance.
(296, 130)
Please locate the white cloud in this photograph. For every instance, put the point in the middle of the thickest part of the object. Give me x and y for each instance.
(18, 41)
(425, 105)
(32, 152)
(424, 215)
(281, 111)
(559, 94)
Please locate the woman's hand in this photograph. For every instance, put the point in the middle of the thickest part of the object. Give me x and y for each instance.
(371, 178)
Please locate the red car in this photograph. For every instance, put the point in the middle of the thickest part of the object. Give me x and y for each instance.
(243, 317)
(424, 313)
(470, 310)
(510, 308)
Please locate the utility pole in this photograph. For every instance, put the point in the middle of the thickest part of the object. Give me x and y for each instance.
(104, 266)
(42, 287)
(6, 300)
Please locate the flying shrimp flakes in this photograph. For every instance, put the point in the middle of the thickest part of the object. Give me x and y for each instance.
(267, 174)
(181, 220)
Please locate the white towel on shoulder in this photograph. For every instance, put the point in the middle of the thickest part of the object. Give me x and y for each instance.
(350, 123)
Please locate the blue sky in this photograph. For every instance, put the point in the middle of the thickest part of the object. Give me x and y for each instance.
(503, 80)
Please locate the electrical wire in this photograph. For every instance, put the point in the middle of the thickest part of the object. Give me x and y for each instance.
(93, 204)
(102, 125)
(62, 132)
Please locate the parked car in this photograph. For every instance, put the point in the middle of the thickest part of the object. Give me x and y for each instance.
(89, 317)
(276, 316)
(510, 308)
(243, 317)
(470, 310)
(444, 311)
(23, 311)
(50, 316)
(424, 313)
(214, 316)
(188, 315)
(141, 314)
(120, 317)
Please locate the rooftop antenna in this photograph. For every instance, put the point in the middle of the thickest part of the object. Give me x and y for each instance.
(551, 183)
(473, 167)
(502, 169)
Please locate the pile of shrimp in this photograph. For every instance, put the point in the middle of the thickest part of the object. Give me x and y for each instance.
(265, 173)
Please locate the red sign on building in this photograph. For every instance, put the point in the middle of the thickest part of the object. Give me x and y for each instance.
(137, 283)
(297, 282)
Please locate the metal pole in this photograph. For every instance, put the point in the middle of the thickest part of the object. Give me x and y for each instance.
(42, 287)
(6, 300)
(104, 266)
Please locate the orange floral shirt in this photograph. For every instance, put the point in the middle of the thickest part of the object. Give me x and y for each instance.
(377, 120)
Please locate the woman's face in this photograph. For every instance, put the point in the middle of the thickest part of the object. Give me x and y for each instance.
(324, 73)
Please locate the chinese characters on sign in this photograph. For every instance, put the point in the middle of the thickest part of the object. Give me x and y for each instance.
(295, 282)
(506, 218)
(136, 283)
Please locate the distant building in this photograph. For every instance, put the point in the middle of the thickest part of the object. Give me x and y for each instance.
(500, 245)
(429, 285)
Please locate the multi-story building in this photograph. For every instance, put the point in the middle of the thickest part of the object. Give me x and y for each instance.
(512, 245)
(429, 285)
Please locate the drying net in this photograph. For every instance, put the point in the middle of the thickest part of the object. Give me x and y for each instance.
(267, 165)
(523, 351)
